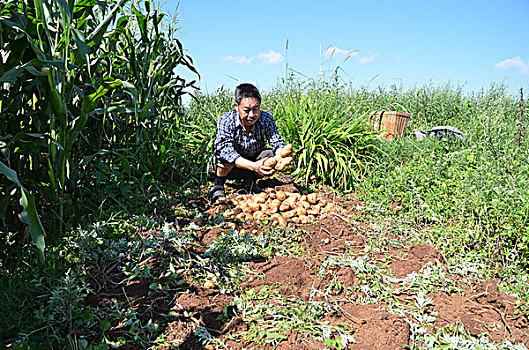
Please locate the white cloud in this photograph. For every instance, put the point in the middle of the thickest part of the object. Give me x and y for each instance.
(336, 51)
(369, 59)
(238, 59)
(515, 63)
(270, 58)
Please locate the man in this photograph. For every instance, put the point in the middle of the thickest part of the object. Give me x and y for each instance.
(239, 149)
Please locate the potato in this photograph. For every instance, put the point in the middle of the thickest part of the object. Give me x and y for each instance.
(228, 213)
(209, 284)
(264, 207)
(244, 206)
(312, 198)
(291, 200)
(314, 210)
(281, 165)
(270, 162)
(312, 218)
(271, 210)
(285, 152)
(303, 204)
(253, 206)
(303, 198)
(301, 211)
(304, 219)
(280, 220)
(281, 195)
(272, 195)
(260, 197)
(296, 220)
(258, 215)
(290, 214)
(245, 216)
(284, 206)
(275, 203)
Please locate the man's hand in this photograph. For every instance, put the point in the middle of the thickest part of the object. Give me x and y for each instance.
(257, 166)
(263, 170)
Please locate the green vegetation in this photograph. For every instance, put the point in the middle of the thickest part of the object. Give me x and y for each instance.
(100, 164)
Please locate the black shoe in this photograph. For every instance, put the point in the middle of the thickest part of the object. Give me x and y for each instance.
(216, 193)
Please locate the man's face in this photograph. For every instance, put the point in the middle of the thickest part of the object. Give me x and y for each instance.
(249, 110)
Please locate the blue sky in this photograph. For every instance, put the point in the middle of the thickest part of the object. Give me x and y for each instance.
(467, 43)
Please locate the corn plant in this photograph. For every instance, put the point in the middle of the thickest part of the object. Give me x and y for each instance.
(81, 80)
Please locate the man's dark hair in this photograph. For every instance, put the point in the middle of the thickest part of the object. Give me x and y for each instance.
(246, 90)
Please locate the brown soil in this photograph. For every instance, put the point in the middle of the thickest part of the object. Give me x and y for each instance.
(481, 309)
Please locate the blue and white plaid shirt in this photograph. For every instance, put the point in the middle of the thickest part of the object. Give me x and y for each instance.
(233, 142)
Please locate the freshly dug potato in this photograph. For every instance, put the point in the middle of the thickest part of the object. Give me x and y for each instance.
(258, 215)
(284, 151)
(284, 206)
(281, 195)
(303, 198)
(291, 200)
(303, 204)
(303, 219)
(296, 220)
(270, 162)
(290, 214)
(275, 203)
(300, 211)
(253, 206)
(260, 197)
(312, 198)
(271, 210)
(312, 218)
(264, 207)
(245, 216)
(209, 284)
(315, 210)
(281, 220)
(283, 163)
(244, 206)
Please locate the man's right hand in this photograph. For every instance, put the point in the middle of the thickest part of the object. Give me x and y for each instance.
(263, 170)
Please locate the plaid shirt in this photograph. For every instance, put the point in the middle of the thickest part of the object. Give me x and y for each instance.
(233, 142)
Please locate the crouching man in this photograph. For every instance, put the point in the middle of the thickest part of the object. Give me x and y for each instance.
(240, 143)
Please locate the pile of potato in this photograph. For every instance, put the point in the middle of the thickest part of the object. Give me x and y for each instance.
(279, 207)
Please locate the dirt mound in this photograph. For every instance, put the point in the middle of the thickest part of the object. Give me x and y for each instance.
(415, 259)
(483, 310)
(375, 328)
(292, 276)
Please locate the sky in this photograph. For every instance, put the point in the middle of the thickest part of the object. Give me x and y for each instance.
(470, 44)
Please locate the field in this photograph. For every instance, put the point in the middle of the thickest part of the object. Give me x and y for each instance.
(108, 239)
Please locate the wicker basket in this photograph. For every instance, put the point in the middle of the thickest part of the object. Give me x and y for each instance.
(392, 122)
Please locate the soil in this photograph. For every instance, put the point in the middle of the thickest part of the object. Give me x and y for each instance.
(481, 308)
